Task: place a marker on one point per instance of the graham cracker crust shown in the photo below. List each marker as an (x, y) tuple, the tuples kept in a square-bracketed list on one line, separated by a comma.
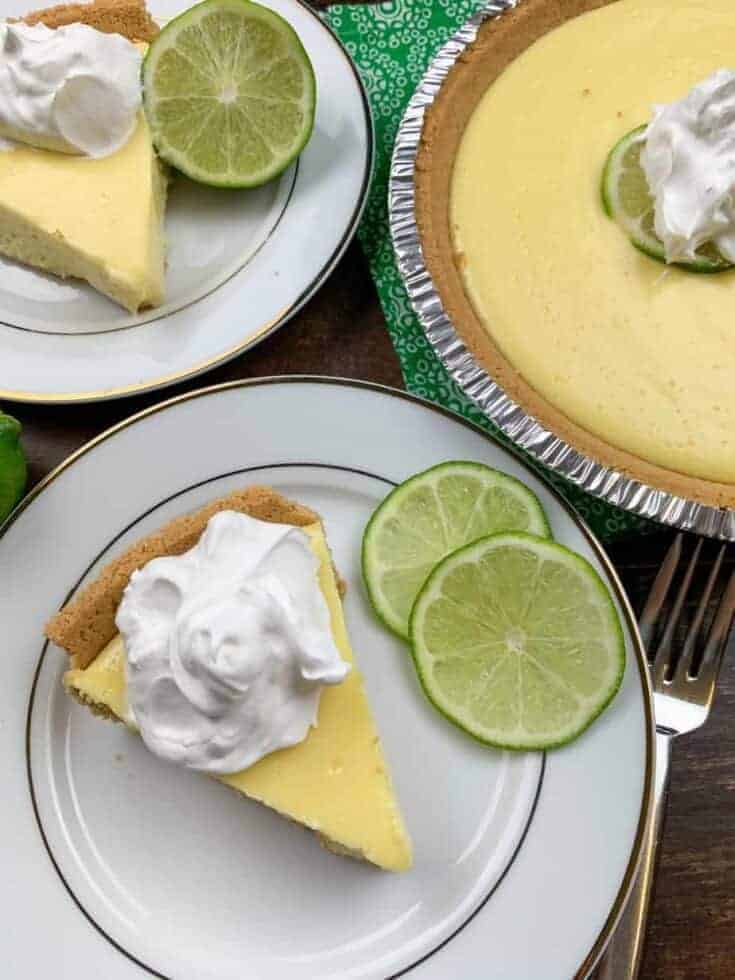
[(500, 41), (127, 17)]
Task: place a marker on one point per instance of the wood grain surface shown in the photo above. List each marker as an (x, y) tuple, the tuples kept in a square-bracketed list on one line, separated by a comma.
[(341, 332)]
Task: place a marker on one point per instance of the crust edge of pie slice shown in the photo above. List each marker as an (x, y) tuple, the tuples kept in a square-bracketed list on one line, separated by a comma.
[(500, 40), (336, 782)]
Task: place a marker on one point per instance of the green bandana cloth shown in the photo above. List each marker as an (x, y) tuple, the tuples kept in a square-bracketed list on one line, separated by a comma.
[(392, 44)]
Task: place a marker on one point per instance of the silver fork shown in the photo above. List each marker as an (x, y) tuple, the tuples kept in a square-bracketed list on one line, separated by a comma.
[(683, 690)]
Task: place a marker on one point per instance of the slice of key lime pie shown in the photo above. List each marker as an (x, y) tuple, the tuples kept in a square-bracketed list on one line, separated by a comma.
[(82, 192), (232, 659)]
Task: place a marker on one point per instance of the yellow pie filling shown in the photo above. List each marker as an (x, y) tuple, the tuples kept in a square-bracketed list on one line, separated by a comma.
[(637, 353)]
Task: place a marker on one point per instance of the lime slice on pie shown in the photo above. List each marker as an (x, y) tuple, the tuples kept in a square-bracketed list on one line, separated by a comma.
[(627, 199), (431, 515), (12, 465), (516, 640), (229, 93)]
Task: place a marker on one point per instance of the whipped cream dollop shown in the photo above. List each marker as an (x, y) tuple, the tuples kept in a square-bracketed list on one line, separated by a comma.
[(228, 646), (73, 89), (689, 163)]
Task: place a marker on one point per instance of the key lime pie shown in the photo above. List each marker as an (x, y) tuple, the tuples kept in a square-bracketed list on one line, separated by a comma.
[(82, 192), (221, 639), (628, 358)]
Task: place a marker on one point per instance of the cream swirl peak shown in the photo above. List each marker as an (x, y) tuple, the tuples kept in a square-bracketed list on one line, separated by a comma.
[(228, 645), (73, 89), (689, 163)]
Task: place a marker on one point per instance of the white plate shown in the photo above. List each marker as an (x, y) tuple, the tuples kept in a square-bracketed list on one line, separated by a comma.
[(240, 263), (117, 865)]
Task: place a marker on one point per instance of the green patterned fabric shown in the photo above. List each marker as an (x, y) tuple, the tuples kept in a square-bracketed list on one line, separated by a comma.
[(392, 44)]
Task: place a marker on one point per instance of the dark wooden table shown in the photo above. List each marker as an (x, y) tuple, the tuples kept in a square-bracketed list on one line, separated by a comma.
[(342, 333)]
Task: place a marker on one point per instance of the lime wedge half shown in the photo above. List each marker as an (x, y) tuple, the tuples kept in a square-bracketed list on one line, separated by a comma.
[(431, 515), (229, 93), (517, 641), (12, 465), (627, 199)]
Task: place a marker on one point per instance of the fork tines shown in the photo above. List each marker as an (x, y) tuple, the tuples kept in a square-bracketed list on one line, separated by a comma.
[(709, 616)]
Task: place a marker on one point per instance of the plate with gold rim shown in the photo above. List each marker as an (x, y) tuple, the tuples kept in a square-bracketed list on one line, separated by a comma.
[(139, 868), (240, 263)]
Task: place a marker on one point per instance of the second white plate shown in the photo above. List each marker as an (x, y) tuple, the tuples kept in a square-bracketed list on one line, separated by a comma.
[(240, 263)]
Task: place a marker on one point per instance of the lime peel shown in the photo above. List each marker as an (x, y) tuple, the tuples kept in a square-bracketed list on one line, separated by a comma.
[(13, 470)]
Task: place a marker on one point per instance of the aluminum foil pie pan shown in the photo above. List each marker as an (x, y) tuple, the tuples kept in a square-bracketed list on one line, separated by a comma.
[(525, 431)]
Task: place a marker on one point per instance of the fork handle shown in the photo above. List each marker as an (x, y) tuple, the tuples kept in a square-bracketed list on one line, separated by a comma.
[(622, 959)]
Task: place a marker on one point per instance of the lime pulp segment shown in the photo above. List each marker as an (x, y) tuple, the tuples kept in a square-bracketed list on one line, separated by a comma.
[(429, 516), (517, 641), (229, 93), (627, 199)]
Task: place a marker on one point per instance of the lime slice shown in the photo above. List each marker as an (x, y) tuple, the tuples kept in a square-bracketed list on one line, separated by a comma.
[(12, 465), (431, 515), (229, 93), (517, 641), (627, 199)]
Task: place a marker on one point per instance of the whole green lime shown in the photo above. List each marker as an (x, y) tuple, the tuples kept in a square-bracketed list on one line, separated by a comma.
[(12, 465)]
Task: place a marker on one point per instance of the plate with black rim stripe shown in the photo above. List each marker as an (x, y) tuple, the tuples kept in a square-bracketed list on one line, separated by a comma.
[(136, 867)]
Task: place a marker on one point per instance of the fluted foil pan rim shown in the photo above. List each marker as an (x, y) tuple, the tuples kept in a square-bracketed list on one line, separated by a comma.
[(526, 432)]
